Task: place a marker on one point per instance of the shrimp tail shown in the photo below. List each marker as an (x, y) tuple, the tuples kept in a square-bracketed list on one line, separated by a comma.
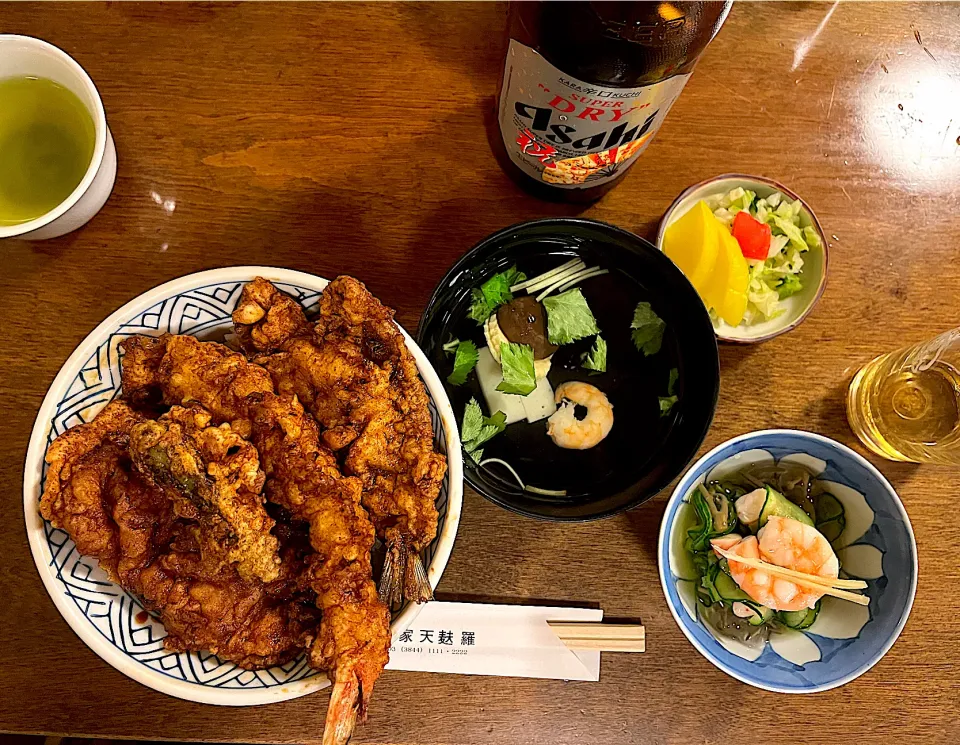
[(404, 575), (391, 584), (346, 703), (416, 585)]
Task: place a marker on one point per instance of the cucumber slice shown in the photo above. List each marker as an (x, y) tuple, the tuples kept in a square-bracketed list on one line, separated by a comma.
[(727, 589), (698, 537), (762, 614), (800, 619), (774, 505), (828, 507), (731, 593), (831, 519), (779, 506), (707, 589)]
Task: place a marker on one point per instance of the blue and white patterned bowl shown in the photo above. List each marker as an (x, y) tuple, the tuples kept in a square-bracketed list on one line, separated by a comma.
[(877, 545), (107, 618)]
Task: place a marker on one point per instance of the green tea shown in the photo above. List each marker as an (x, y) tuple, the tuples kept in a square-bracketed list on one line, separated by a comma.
[(47, 138)]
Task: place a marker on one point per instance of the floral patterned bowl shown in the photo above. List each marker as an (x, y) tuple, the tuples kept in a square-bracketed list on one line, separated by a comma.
[(876, 545)]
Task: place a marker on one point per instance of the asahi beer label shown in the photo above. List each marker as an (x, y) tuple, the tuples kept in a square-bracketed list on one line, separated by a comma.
[(572, 134)]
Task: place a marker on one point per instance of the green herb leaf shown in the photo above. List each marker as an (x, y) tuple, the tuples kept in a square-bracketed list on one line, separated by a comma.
[(492, 426), (519, 375), (451, 346), (493, 293), (667, 402), (472, 421), (479, 310), (477, 429), (497, 421), (672, 380), (464, 361), (647, 328), (569, 317), (596, 358)]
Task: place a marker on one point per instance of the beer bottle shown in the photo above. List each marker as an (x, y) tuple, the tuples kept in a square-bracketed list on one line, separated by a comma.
[(587, 84)]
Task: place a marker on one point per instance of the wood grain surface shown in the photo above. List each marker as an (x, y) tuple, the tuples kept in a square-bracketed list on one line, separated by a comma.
[(352, 138)]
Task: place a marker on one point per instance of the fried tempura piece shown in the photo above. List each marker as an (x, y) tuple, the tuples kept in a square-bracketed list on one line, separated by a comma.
[(216, 475), (354, 373), (184, 370), (265, 317), (81, 462), (131, 528), (394, 455), (302, 476), (140, 359), (209, 606)]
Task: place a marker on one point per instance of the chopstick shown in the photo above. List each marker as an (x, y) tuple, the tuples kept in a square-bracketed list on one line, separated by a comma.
[(849, 584), (606, 637), (826, 585)]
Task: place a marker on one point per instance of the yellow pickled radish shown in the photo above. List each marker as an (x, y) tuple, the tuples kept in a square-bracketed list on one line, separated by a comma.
[(734, 306), (693, 244), (739, 269), (726, 289)]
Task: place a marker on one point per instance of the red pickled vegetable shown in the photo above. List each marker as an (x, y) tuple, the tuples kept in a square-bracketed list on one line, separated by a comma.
[(752, 235)]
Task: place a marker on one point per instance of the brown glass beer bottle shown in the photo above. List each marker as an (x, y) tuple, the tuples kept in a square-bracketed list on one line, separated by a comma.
[(587, 84)]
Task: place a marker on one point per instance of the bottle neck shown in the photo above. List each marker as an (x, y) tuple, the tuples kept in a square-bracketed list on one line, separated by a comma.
[(618, 44)]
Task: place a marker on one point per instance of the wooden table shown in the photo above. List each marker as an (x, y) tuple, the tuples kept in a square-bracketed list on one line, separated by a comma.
[(351, 138)]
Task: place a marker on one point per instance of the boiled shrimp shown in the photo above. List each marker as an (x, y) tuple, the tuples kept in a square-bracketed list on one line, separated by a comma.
[(787, 543), (580, 434), (726, 542)]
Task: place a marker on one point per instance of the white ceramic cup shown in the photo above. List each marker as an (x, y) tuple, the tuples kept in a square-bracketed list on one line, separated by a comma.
[(22, 56)]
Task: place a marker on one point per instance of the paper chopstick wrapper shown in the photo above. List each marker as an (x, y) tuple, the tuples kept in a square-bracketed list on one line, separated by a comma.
[(488, 639)]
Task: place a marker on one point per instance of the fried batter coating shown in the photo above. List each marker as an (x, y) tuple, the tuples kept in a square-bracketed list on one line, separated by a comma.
[(354, 373), (81, 461), (215, 478), (171, 505), (185, 369), (303, 478), (265, 317), (210, 607), (130, 526)]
